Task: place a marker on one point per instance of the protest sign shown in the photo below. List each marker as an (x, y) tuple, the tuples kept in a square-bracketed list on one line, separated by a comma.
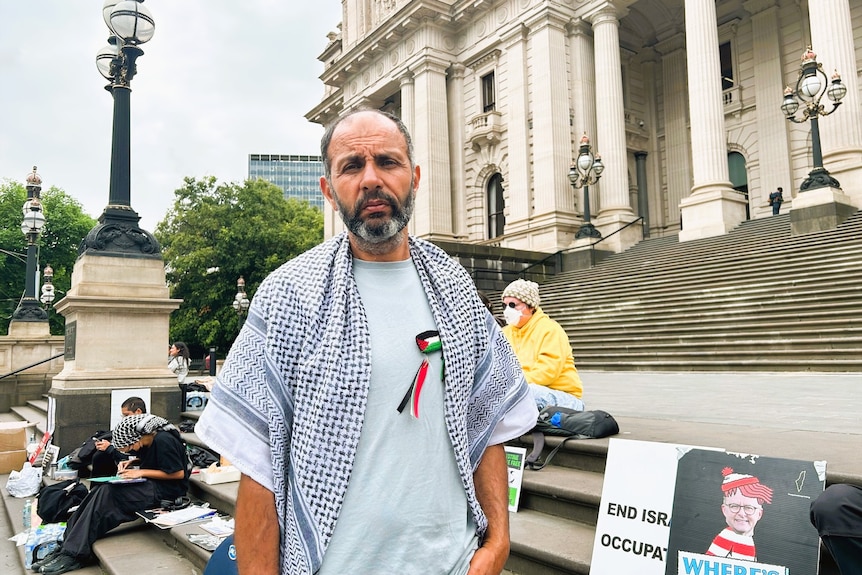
[(515, 457)]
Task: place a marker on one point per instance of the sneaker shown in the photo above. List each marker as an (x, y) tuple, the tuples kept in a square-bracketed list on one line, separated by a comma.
[(46, 559), (63, 563)]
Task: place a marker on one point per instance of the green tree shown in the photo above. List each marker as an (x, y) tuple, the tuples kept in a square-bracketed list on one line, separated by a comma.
[(66, 224), (216, 233)]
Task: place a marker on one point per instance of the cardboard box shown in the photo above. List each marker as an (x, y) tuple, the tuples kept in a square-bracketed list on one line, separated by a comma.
[(221, 475), (13, 435), (12, 460)]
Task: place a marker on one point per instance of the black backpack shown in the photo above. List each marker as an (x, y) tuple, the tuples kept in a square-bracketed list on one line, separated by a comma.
[(54, 501), (82, 456), (571, 424)]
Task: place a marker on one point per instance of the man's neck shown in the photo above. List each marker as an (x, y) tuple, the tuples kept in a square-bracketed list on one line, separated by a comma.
[(396, 249)]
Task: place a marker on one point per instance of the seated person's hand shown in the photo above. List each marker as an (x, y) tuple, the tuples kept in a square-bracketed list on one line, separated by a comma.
[(102, 444), (130, 473), (121, 466)]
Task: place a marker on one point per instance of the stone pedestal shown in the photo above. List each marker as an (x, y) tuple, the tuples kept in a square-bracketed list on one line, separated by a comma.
[(117, 317), (621, 240), (819, 209), (708, 213)]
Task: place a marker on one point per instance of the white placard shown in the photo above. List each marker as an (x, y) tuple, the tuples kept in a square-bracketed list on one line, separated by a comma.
[(118, 396)]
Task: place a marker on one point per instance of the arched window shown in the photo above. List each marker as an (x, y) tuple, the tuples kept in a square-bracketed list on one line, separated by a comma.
[(738, 175), (496, 219)]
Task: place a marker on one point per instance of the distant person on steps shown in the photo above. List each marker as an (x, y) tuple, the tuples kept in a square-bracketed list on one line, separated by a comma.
[(542, 347), (776, 198)]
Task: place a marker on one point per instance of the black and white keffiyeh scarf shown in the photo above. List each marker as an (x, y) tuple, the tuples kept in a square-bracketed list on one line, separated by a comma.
[(296, 382)]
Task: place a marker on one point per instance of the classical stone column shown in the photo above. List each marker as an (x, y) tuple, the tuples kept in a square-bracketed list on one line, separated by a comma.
[(457, 122), (583, 95), (517, 180), (550, 112), (433, 215), (773, 152), (713, 207), (610, 116), (841, 134), (407, 100), (677, 143)]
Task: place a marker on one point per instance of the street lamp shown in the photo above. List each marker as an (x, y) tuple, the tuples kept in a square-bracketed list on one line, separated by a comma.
[(130, 25), (31, 226), (47, 287), (240, 300), (811, 84), (585, 172)]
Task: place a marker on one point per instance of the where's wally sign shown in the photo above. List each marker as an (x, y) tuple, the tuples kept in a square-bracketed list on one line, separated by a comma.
[(671, 509)]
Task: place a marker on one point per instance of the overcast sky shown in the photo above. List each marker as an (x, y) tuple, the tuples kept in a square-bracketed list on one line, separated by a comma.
[(219, 80)]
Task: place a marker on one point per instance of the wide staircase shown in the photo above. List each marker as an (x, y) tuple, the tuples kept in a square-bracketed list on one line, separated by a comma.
[(755, 299)]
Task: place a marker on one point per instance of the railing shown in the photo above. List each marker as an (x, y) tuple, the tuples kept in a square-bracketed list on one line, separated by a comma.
[(559, 253), (19, 370)]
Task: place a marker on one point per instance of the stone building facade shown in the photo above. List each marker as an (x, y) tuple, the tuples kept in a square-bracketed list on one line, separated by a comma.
[(680, 97)]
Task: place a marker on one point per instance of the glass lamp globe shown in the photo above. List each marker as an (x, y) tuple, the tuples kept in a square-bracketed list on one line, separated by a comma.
[(810, 86), (132, 22)]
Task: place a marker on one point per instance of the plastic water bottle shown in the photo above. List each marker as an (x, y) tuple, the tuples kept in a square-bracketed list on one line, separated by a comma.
[(28, 514)]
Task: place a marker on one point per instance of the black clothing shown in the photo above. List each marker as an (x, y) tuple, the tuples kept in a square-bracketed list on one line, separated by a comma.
[(837, 515), (108, 505)]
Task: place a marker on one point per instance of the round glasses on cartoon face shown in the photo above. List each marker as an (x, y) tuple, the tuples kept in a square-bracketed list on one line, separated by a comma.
[(747, 509)]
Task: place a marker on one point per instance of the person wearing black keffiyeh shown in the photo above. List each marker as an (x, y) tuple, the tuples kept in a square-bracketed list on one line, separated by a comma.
[(312, 401)]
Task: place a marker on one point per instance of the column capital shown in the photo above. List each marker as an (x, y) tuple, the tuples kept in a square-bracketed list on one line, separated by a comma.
[(515, 34), (670, 45), (405, 79), (606, 13), (456, 70), (579, 27), (429, 63)]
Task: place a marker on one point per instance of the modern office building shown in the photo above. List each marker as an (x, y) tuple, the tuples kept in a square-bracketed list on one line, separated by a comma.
[(683, 99), (297, 175)]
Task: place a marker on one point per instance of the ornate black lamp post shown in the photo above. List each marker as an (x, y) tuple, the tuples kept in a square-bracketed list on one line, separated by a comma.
[(130, 24), (811, 84), (241, 301), (585, 172), (31, 227)]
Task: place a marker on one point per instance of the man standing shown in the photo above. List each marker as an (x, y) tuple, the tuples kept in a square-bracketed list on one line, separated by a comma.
[(361, 450), (775, 200)]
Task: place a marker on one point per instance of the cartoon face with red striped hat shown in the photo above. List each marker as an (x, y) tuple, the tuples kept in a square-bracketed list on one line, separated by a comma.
[(742, 506)]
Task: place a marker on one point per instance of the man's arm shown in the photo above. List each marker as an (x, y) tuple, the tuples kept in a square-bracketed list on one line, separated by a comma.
[(491, 479), (256, 533)]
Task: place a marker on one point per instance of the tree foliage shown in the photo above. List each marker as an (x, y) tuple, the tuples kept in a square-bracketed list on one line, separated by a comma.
[(216, 233), (66, 224)]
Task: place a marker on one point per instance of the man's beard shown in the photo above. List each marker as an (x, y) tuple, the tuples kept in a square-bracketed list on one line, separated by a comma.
[(378, 233)]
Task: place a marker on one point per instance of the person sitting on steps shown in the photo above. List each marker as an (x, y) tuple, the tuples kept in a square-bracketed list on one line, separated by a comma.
[(163, 475)]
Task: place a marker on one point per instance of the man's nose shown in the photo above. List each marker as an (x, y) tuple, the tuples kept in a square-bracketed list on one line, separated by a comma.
[(370, 177)]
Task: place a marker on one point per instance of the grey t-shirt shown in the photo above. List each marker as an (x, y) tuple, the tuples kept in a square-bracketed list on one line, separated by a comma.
[(405, 510)]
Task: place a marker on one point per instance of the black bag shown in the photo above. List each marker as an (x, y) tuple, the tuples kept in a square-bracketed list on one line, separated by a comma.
[(54, 501), (571, 424), (201, 457), (83, 456)]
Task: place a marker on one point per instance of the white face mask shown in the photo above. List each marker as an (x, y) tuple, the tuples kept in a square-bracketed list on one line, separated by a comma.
[(512, 315)]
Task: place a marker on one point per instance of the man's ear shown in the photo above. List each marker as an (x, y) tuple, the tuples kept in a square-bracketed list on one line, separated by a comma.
[(416, 179), (327, 192)]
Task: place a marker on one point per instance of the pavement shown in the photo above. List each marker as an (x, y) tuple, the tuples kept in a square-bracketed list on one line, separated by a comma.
[(810, 416)]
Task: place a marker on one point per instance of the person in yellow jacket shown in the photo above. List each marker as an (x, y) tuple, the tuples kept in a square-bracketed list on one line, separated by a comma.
[(542, 347)]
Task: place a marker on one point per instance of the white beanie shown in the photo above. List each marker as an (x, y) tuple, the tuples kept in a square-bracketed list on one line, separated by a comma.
[(526, 291)]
